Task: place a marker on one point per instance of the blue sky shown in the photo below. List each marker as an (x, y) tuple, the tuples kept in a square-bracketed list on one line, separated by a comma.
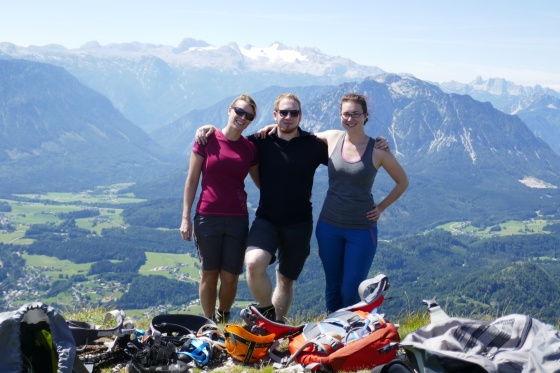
[(435, 40)]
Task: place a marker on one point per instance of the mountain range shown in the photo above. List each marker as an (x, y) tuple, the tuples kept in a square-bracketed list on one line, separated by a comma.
[(537, 106), (57, 134), (155, 84)]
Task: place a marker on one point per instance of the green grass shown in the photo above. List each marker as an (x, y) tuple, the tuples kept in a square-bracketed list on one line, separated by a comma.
[(54, 267), (108, 218), (170, 265), (101, 194), (16, 237), (72, 198), (509, 228), (40, 211)]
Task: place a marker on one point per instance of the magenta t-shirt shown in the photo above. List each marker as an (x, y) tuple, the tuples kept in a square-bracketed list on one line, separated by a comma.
[(226, 165)]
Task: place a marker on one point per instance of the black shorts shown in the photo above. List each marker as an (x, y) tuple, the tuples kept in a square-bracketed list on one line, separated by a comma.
[(221, 242), (292, 242)]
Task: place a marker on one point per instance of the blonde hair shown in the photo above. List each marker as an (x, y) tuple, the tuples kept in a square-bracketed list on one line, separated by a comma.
[(248, 99), (289, 96)]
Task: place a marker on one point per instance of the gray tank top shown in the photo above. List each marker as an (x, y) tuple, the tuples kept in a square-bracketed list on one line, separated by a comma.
[(349, 196)]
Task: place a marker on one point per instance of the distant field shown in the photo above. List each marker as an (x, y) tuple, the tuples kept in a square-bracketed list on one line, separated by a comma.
[(16, 237), (509, 228), (101, 194), (40, 211), (55, 267), (108, 218), (170, 265)]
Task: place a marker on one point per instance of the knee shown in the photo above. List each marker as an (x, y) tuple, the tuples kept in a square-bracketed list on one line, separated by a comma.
[(209, 277), (256, 261), (228, 279)]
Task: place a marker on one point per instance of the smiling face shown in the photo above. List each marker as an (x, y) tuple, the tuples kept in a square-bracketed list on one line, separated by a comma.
[(352, 115), (289, 123), (237, 121)]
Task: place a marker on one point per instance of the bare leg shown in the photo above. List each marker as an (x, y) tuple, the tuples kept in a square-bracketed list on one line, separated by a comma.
[(227, 291), (256, 261), (207, 291), (283, 296)]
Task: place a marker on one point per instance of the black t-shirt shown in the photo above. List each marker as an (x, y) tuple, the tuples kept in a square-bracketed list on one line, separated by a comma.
[(286, 171)]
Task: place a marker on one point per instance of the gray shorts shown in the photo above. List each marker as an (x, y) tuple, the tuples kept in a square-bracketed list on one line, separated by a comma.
[(292, 242), (221, 242)]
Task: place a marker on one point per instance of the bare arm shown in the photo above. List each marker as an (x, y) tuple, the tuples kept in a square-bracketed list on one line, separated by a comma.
[(202, 133), (191, 184), (390, 163), (266, 131)]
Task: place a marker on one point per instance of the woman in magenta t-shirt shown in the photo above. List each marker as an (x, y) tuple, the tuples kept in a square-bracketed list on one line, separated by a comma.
[(221, 221)]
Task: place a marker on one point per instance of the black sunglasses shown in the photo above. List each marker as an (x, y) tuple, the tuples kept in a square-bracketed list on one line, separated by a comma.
[(284, 113), (242, 112)]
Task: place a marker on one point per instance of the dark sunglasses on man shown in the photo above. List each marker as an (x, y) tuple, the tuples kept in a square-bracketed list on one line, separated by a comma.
[(292, 113)]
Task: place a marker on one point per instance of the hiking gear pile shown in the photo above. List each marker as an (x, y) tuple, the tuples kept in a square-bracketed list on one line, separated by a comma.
[(174, 341), (353, 338)]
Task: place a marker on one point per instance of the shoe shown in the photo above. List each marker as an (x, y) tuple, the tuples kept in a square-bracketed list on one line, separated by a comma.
[(268, 312), (221, 317)]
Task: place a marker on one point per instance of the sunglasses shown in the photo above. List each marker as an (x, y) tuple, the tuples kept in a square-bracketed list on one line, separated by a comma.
[(242, 112), (284, 113)]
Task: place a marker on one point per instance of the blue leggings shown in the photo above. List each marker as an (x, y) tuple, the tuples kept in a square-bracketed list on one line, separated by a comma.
[(347, 255)]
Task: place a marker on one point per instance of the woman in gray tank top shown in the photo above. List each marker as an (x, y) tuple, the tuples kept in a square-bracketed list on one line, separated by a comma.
[(347, 227)]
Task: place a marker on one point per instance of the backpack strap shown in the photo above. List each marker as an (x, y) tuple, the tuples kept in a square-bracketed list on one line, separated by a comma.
[(324, 344), (85, 333)]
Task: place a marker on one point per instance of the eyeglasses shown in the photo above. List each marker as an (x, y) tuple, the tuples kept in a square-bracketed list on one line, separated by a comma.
[(284, 113), (354, 115), (242, 112)]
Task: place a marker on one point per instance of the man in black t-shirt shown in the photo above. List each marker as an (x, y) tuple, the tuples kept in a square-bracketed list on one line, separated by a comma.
[(284, 219)]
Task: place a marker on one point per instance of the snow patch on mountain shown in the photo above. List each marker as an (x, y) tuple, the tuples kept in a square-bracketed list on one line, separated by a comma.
[(275, 52), (467, 143), (533, 182), (441, 141)]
